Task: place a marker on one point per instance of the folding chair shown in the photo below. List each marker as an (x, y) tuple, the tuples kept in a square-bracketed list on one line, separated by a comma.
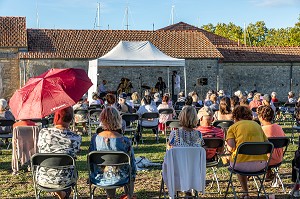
[(43, 164), (44, 122), (80, 117), (184, 169), (7, 126), (145, 117), (101, 159), (24, 145), (251, 148), (171, 124), (296, 183), (131, 118), (279, 143), (166, 112), (214, 143), (94, 119), (95, 106), (223, 124)]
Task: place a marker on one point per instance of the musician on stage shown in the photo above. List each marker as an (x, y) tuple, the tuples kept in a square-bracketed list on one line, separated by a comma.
[(125, 86), (160, 86)]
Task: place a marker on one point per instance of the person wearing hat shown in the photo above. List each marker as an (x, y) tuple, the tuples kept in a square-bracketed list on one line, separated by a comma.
[(205, 115), (125, 108), (267, 102)]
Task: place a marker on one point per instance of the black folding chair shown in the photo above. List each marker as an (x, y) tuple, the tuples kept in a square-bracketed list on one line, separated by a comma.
[(279, 143), (131, 119), (101, 159), (46, 163), (95, 106), (6, 126), (80, 117), (149, 116), (43, 121), (214, 143), (94, 119), (253, 149), (166, 111), (223, 124)]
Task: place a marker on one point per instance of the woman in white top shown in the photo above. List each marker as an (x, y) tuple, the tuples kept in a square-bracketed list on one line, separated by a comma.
[(186, 135)]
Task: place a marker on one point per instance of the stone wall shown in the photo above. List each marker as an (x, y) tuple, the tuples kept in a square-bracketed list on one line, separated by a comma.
[(264, 77), (31, 68), (9, 72)]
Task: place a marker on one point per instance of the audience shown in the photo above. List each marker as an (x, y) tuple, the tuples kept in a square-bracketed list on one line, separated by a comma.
[(186, 135), (274, 97), (111, 139), (256, 102), (58, 139), (125, 108), (234, 102), (164, 117), (205, 115), (224, 112), (291, 99), (265, 116), (245, 130), (146, 108), (215, 104)]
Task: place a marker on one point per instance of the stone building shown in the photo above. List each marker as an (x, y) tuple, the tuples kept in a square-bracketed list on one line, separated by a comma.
[(226, 65)]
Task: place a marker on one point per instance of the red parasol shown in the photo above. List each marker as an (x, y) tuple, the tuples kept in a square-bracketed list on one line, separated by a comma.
[(51, 91)]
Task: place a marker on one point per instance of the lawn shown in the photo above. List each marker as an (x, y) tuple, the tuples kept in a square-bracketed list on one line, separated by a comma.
[(147, 184)]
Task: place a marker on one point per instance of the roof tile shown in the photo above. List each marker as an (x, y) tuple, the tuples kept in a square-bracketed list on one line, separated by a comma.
[(13, 32)]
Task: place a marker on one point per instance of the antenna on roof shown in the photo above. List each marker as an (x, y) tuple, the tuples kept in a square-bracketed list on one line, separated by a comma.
[(37, 14), (97, 17), (171, 22), (153, 27), (126, 15)]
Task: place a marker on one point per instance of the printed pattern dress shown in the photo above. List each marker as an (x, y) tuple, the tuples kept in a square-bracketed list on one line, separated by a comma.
[(53, 140)]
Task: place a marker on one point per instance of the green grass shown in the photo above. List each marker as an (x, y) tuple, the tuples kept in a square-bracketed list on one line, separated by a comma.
[(147, 182)]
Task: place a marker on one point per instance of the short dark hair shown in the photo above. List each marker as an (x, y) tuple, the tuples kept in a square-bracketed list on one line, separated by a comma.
[(188, 100), (242, 113), (110, 98)]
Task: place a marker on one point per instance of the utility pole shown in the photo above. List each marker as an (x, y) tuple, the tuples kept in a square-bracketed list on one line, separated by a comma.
[(245, 34), (127, 22), (37, 15)]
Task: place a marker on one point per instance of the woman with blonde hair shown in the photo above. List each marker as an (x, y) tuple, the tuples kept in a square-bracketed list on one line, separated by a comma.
[(186, 135), (111, 139)]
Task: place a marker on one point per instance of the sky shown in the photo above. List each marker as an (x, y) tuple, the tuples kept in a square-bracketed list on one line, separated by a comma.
[(146, 14)]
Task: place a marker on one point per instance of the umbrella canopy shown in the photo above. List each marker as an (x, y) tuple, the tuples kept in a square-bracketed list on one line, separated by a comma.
[(51, 91)]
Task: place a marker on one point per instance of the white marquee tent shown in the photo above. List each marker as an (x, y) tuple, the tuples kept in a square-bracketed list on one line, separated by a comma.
[(133, 53)]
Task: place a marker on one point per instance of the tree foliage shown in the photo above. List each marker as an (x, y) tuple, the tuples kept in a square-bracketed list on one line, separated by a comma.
[(257, 34)]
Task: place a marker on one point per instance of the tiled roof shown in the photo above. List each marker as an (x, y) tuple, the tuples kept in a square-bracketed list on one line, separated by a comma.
[(89, 44), (13, 32), (260, 54), (215, 39)]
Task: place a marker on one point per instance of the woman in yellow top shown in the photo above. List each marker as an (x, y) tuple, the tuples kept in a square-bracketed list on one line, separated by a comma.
[(245, 130)]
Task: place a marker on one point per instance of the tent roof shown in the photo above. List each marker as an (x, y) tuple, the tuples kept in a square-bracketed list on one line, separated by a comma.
[(137, 53)]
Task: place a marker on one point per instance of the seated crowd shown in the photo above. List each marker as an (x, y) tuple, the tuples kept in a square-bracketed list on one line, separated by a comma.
[(195, 120)]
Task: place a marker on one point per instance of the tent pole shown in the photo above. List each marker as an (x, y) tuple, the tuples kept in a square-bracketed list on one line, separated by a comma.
[(168, 80), (184, 73)]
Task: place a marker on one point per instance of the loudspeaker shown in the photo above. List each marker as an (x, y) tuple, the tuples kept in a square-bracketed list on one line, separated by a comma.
[(202, 81)]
